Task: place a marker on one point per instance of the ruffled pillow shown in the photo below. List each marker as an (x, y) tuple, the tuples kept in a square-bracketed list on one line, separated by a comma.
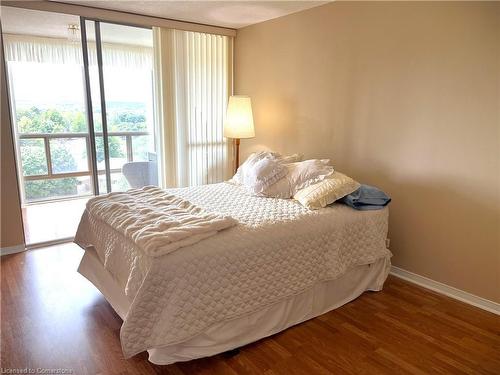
[(263, 174), (300, 175), (238, 178), (287, 159)]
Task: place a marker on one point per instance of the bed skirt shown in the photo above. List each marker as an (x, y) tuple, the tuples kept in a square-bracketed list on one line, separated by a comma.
[(235, 333)]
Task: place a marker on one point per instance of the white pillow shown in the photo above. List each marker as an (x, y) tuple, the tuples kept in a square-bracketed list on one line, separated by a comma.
[(291, 158), (238, 178), (300, 175), (263, 174), (327, 191)]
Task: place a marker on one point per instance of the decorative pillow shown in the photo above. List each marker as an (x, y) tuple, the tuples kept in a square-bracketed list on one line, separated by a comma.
[(238, 178), (263, 174), (300, 175), (292, 158), (327, 191)]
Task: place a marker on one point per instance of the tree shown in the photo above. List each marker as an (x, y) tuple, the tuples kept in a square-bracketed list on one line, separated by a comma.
[(35, 120), (128, 121), (52, 120), (34, 163), (42, 189), (114, 146)]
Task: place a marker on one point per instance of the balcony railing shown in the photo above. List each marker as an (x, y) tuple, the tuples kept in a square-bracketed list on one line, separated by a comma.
[(52, 172)]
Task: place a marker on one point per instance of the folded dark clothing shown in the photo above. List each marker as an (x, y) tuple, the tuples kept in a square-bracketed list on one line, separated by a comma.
[(367, 198)]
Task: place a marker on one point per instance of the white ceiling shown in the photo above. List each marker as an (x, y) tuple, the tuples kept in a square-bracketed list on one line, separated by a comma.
[(232, 14), (29, 22), (55, 25)]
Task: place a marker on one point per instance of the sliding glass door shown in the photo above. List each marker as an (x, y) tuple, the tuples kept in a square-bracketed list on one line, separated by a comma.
[(119, 68), (44, 63), (83, 110), (51, 128), (81, 94)]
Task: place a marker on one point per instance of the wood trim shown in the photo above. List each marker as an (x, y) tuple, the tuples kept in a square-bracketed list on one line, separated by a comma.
[(447, 290), (108, 15), (12, 249)]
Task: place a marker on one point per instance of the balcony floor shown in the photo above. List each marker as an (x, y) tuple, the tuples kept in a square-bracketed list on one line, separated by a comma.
[(53, 220)]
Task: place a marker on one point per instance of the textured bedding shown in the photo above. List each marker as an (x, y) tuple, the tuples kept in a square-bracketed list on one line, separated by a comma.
[(156, 221), (277, 250)]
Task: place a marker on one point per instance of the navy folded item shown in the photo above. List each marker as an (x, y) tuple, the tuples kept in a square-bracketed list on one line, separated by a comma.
[(367, 198)]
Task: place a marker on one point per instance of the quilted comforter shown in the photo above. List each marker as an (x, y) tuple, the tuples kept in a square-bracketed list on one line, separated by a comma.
[(278, 249)]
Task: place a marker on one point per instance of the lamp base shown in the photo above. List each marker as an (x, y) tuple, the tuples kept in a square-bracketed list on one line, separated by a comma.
[(237, 156)]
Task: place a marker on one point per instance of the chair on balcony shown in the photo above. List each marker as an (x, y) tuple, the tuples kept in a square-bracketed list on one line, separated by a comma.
[(141, 173)]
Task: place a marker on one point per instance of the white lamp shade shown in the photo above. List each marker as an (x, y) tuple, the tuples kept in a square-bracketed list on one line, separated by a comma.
[(239, 118)]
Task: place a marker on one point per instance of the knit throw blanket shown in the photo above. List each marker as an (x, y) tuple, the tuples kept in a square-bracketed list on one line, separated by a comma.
[(155, 220)]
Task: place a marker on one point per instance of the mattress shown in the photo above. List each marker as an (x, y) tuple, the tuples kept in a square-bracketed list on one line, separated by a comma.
[(278, 251)]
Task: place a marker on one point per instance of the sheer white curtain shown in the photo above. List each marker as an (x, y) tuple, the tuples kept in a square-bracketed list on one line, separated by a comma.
[(193, 82), (27, 48)]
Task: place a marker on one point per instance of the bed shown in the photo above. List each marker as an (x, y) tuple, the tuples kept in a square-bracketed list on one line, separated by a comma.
[(280, 265)]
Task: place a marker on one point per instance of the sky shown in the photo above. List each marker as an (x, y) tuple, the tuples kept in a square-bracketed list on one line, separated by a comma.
[(49, 84)]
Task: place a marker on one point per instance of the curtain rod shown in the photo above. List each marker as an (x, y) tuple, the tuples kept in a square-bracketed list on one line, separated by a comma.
[(118, 16)]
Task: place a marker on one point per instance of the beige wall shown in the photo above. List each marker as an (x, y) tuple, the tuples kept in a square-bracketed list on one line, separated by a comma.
[(404, 96), (11, 233)]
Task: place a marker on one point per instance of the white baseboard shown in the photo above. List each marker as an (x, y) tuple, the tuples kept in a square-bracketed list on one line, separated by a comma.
[(447, 290), (12, 249)]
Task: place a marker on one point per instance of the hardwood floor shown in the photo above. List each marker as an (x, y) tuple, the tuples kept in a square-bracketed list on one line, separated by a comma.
[(53, 318)]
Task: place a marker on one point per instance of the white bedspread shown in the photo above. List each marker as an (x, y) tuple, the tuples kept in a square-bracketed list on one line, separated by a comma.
[(155, 220), (278, 249)]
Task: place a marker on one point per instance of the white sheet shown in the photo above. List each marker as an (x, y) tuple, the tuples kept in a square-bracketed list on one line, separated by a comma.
[(278, 250)]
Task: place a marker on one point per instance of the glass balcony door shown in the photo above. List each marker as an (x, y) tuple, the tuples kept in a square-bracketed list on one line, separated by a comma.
[(81, 96), (43, 56), (51, 129), (119, 69), (83, 108)]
